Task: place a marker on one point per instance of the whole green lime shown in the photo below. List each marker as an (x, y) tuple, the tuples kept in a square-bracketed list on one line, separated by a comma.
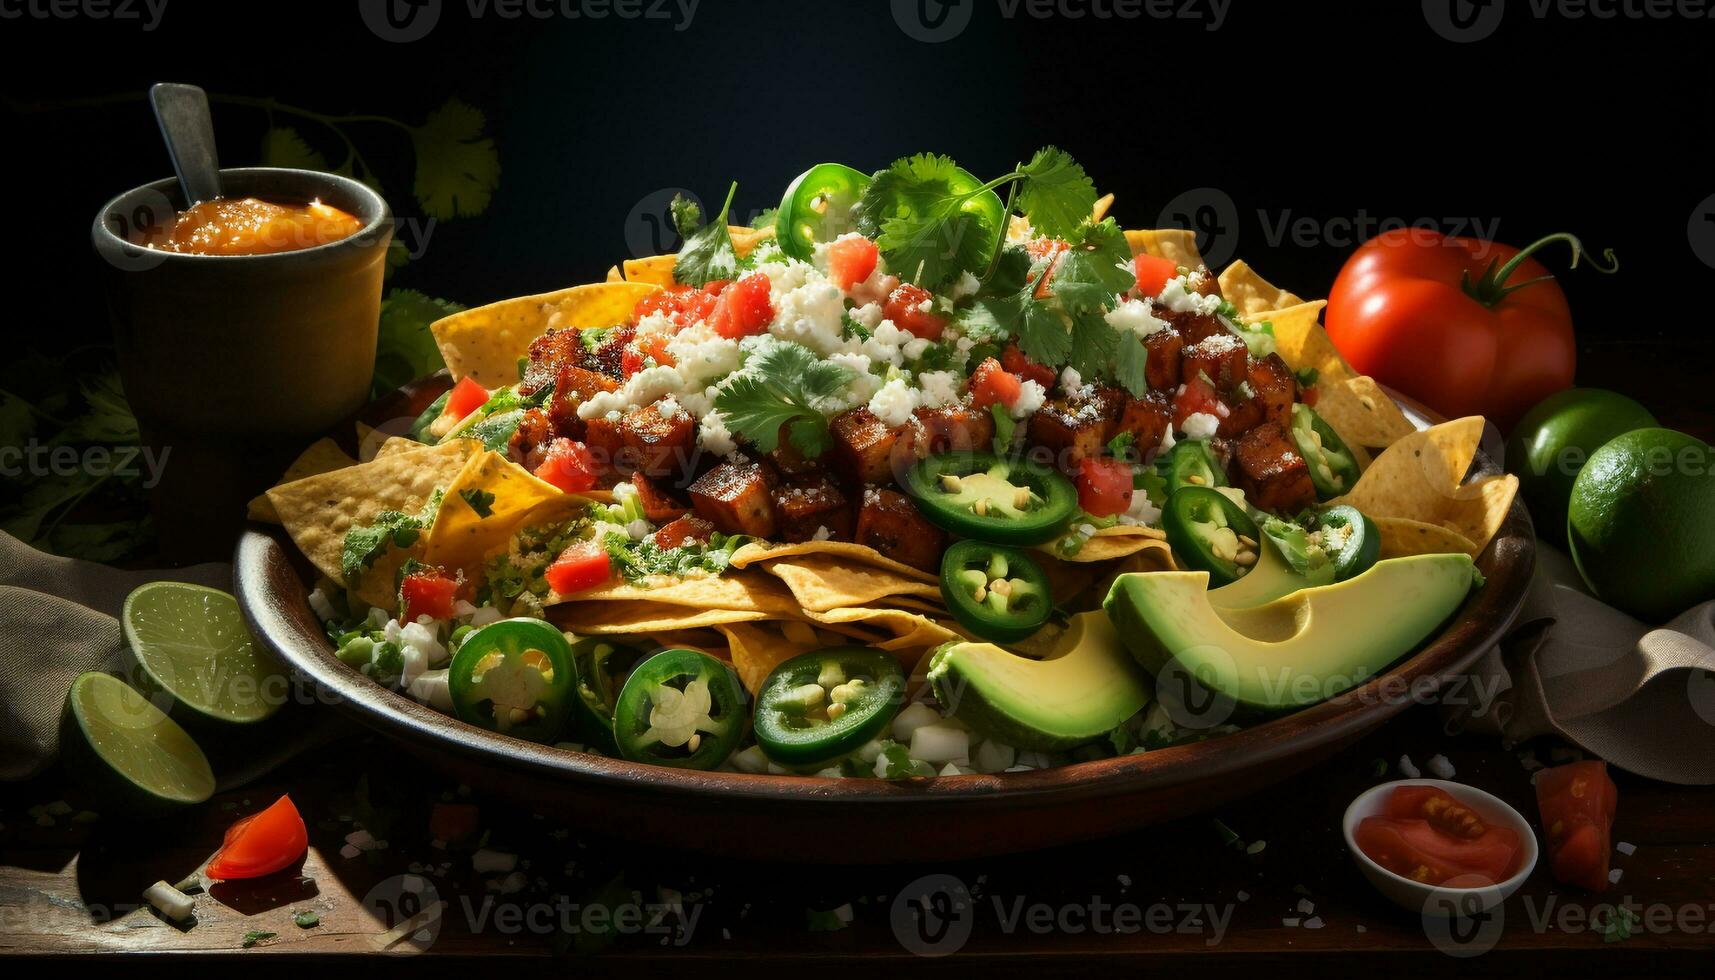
[(1642, 523), (1554, 440)]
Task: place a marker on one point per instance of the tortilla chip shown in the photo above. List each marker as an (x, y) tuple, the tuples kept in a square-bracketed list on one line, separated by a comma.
[(396, 445), (486, 343), (1401, 537), (1302, 343), (1421, 478), (322, 456), (1362, 413), (489, 499), (656, 269), (823, 582), (614, 275), (766, 551), (1109, 543), (317, 511), (1251, 293), (1177, 244), (643, 618), (910, 630), (745, 240), (748, 591), (1100, 211), (758, 649)]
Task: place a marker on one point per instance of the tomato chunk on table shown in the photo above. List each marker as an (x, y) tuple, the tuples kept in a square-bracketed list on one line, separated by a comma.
[(1577, 803)]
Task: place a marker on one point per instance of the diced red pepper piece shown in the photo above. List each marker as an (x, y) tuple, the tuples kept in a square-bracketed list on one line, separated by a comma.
[(427, 593), (466, 397), (743, 309), (1104, 486), (909, 307), (584, 565), (1153, 274), (991, 384), (568, 465)]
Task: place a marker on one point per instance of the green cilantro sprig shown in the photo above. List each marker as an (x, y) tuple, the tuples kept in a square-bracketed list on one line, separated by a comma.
[(363, 545), (708, 254), (779, 388)]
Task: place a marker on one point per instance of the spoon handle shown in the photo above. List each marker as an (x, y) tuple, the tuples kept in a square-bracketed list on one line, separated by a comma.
[(182, 113)]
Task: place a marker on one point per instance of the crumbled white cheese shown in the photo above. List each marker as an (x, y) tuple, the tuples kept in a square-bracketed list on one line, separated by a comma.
[(940, 388), (702, 356), (822, 533), (1440, 767), (642, 388), (1071, 380), (1200, 425), (861, 388), (668, 407), (885, 343), (966, 286), (867, 316), (1031, 395), (894, 403), (1179, 297), (812, 314), (1407, 768), (320, 605), (714, 435), (1136, 316)]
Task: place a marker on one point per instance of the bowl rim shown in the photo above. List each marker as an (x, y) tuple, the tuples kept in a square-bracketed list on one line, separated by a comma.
[(381, 217), (1363, 805), (285, 624)]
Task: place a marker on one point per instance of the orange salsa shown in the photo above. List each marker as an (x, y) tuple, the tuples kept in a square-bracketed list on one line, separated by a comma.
[(249, 226)]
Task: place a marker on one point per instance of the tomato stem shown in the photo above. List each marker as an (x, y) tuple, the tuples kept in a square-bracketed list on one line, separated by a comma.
[(1491, 288)]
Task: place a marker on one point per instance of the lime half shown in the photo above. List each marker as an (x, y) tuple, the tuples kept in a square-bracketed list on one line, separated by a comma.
[(124, 747), (191, 642)]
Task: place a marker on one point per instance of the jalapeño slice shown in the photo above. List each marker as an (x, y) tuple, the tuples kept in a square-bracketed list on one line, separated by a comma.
[(679, 708), (514, 677), (818, 208), (1333, 467), (1209, 532), (1007, 500), (1191, 463), (1000, 594), (1350, 539), (601, 666), (822, 705)]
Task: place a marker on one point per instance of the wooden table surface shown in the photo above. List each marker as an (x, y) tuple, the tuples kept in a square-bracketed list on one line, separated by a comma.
[(1148, 899), (72, 888)]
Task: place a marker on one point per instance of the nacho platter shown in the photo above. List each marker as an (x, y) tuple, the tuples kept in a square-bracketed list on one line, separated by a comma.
[(974, 577)]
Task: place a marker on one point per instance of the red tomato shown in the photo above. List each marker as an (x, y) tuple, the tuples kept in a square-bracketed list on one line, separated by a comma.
[(1577, 803), (427, 593), (908, 307), (681, 304), (1425, 313), (743, 308), (261, 843), (1415, 849), (1014, 360), (636, 354), (991, 384), (1438, 807), (1153, 273), (466, 397), (1104, 486), (569, 465), (666, 302), (1195, 396), (583, 566), (851, 260)]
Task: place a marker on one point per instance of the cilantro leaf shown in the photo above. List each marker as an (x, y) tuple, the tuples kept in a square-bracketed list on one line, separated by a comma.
[(364, 544), (457, 167), (1057, 195), (911, 186), (687, 215), (1099, 256), (405, 350), (1004, 426), (1094, 346), (479, 500), (778, 389), (707, 254), (1130, 365), (1042, 334), (935, 247)]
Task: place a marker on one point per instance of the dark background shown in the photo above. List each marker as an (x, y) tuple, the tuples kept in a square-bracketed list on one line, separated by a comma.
[(1323, 111)]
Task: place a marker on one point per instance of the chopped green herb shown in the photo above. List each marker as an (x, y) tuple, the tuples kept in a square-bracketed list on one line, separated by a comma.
[(708, 253), (363, 545), (687, 215), (480, 500), (1004, 427), (307, 920), (779, 388), (252, 938)]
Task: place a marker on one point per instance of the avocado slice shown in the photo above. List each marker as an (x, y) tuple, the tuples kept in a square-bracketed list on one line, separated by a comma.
[(1085, 688), (1293, 651), (1272, 578)]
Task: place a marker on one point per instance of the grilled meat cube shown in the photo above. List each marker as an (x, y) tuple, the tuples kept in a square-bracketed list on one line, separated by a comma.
[(1162, 364), (1274, 387), (575, 386), (1147, 419), (868, 451), (957, 428), (734, 498), (788, 460), (1222, 358), (657, 445), (1203, 282), (1244, 413), (605, 443), (804, 505), (1270, 471), (529, 444), (549, 355), (1075, 428), (660, 503), (888, 522), (609, 356), (689, 529), (1194, 327)]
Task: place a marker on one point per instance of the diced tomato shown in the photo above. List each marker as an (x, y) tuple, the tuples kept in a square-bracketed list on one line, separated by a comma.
[(743, 308), (1195, 396), (1415, 849), (665, 302), (638, 353), (569, 465), (466, 397), (851, 260), (1104, 486), (687, 528), (261, 843), (909, 308), (1014, 360), (453, 822), (716, 286), (1437, 806), (1153, 274), (1577, 803), (582, 566), (681, 304), (992, 384), (427, 593)]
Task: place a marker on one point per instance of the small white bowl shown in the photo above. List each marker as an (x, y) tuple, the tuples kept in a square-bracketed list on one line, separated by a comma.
[(1437, 900)]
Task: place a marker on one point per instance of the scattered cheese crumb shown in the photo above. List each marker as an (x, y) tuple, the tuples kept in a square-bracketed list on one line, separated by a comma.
[(1440, 767), (1407, 768)]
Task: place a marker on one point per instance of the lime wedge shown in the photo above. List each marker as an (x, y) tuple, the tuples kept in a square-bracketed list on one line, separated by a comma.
[(191, 642), (122, 746)]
